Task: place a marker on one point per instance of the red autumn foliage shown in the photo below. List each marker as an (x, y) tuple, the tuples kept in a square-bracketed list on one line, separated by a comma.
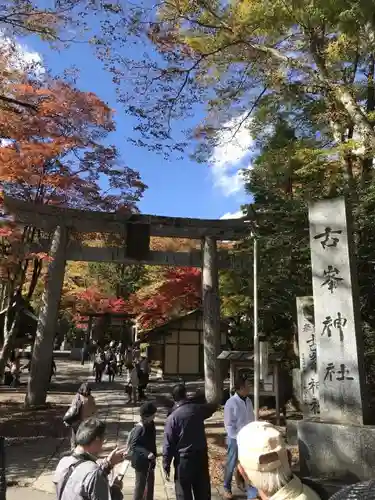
[(92, 300), (54, 154), (180, 292)]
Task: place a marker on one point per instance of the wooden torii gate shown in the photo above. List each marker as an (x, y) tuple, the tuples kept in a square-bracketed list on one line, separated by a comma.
[(135, 231)]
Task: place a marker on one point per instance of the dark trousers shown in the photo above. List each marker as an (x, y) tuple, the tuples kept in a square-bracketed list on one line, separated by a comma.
[(144, 480), (192, 477), (143, 382), (98, 373)]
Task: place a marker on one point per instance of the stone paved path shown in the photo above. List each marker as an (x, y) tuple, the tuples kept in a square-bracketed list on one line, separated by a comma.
[(36, 480)]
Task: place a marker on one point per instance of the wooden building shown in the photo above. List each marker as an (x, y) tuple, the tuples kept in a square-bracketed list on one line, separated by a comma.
[(241, 363), (177, 346)]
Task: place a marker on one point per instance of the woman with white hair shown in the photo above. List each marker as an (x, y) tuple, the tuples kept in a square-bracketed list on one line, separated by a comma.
[(264, 461)]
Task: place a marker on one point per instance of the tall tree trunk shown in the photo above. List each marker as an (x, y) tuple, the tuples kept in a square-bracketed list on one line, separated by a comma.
[(3, 294), (9, 339), (211, 321), (46, 329), (340, 95), (367, 162), (3, 483), (348, 171), (37, 269)]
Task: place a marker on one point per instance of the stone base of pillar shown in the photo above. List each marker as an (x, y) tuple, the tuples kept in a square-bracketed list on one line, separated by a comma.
[(292, 432), (338, 451)]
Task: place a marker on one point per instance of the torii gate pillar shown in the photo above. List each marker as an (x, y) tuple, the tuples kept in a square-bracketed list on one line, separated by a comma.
[(211, 320), (43, 346)]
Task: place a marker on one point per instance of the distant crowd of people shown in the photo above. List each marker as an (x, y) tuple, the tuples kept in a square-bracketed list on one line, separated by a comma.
[(113, 359)]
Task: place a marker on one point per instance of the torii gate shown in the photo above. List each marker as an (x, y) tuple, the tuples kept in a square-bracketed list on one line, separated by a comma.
[(135, 230)]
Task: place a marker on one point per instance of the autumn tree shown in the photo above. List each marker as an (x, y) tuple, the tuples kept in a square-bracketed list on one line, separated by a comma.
[(236, 57), (55, 155), (169, 292), (161, 294), (62, 21)]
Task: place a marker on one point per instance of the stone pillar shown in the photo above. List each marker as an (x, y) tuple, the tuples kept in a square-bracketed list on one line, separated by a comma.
[(46, 329), (211, 320), (336, 311), (338, 445), (308, 356)]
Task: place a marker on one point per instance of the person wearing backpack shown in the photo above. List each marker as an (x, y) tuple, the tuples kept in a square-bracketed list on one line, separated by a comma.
[(110, 359), (142, 452), (82, 407), (99, 365), (79, 476)]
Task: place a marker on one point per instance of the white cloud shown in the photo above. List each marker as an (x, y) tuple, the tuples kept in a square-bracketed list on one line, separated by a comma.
[(21, 57), (231, 156), (233, 215)]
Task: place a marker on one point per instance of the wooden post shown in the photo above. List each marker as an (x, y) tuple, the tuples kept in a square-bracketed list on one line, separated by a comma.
[(277, 392), (46, 329), (211, 321), (231, 375)]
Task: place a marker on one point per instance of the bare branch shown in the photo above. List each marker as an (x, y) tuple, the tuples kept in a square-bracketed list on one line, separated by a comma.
[(18, 103)]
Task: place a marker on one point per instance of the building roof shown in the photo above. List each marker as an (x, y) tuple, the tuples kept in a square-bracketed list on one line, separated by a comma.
[(106, 313), (246, 356), (162, 329)]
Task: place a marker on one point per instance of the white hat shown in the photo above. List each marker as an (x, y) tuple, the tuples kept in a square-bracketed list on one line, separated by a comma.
[(261, 447)]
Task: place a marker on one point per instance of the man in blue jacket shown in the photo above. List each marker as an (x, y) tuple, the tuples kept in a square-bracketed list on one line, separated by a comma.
[(185, 443)]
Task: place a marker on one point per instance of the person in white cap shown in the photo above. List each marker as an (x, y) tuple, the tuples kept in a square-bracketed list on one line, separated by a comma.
[(264, 460)]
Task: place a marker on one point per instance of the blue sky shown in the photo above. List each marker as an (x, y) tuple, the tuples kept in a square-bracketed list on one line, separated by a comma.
[(176, 188)]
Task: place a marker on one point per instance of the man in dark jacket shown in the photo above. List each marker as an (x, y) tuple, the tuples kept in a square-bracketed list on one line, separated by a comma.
[(185, 442), (142, 452)]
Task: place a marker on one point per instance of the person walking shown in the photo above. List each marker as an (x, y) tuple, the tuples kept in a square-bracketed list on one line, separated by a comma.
[(84, 351), (111, 365), (79, 476), (53, 369), (185, 443), (99, 365), (15, 368), (142, 452), (82, 407), (238, 412), (144, 376), (133, 383), (128, 362), (119, 360)]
